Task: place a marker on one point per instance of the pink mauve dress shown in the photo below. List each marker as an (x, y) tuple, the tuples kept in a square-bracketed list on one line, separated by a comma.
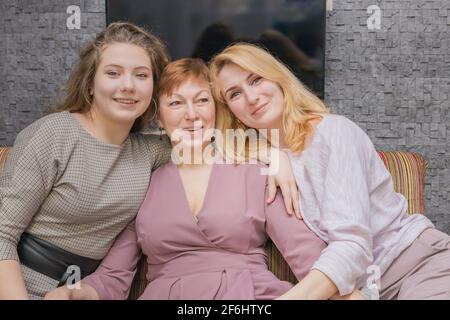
[(217, 255)]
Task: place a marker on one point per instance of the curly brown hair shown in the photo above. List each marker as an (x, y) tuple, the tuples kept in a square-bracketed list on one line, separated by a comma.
[(76, 97)]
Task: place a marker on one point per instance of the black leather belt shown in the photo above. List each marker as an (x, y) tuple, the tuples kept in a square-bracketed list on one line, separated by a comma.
[(54, 262)]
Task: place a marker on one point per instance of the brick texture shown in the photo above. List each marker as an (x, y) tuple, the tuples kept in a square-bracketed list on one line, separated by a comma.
[(37, 52), (394, 82)]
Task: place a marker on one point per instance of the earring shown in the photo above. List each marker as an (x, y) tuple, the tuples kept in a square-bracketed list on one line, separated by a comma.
[(155, 110), (160, 133)]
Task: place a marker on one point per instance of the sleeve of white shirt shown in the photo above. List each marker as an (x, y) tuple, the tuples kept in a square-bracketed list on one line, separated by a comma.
[(345, 205)]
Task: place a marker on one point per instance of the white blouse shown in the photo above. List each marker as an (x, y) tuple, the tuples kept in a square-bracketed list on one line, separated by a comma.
[(347, 198)]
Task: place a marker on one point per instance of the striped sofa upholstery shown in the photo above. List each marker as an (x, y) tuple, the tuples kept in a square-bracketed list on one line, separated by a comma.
[(408, 173)]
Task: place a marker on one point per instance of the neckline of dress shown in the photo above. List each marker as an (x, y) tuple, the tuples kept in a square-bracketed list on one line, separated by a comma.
[(93, 138), (185, 197)]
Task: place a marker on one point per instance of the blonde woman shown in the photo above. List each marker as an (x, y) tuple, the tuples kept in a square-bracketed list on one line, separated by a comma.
[(346, 194)]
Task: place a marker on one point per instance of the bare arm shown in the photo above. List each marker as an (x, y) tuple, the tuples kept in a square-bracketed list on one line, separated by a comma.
[(12, 286), (281, 175), (315, 286), (25, 182), (301, 248)]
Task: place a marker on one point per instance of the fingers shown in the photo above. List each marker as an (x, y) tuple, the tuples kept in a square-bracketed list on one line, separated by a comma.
[(287, 197), (51, 296), (271, 189), (57, 294), (295, 200)]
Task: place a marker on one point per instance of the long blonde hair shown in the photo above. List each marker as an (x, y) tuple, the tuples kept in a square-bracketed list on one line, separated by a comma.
[(76, 97), (300, 104)]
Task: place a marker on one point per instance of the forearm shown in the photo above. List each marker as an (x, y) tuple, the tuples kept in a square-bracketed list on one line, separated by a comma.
[(12, 285), (315, 286), (355, 295)]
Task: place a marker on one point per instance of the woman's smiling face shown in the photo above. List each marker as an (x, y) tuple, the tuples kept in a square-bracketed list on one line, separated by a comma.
[(254, 100), (188, 112), (123, 83)]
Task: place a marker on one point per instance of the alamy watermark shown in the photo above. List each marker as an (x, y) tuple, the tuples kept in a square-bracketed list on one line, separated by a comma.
[(212, 146), (73, 281), (371, 291), (374, 21), (74, 20)]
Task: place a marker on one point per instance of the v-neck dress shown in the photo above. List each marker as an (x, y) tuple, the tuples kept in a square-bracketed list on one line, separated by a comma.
[(219, 254)]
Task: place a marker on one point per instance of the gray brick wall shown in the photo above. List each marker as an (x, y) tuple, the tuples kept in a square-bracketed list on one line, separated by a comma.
[(37, 52), (394, 82)]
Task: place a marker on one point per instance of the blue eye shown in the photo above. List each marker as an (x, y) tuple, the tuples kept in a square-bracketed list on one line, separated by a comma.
[(234, 94), (203, 100), (256, 80), (174, 103)]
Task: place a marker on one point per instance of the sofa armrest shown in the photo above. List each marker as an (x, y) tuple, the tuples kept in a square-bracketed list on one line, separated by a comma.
[(408, 171)]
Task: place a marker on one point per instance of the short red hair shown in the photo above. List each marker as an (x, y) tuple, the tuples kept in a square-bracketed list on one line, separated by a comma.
[(177, 72)]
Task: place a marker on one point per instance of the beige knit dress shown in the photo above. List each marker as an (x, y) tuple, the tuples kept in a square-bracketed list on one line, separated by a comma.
[(66, 187)]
